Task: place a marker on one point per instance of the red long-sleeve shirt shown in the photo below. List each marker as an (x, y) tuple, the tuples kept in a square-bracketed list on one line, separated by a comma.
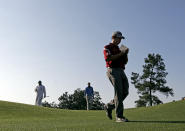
[(112, 49)]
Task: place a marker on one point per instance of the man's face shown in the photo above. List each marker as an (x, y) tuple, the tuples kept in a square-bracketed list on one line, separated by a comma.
[(40, 83), (117, 41)]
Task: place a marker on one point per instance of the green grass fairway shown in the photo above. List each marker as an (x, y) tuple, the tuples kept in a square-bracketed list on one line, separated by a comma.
[(21, 117)]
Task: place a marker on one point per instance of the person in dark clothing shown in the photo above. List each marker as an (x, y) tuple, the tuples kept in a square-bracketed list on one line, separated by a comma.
[(116, 58), (89, 95)]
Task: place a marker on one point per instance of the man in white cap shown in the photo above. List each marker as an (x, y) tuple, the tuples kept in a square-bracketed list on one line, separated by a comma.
[(40, 90), (116, 58)]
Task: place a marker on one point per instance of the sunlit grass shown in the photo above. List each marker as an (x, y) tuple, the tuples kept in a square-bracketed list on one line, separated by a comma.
[(20, 117)]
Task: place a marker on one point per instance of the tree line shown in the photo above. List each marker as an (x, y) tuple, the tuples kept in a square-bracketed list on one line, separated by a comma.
[(76, 101)]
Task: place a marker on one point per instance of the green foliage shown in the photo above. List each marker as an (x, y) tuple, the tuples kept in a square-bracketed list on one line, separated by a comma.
[(97, 103), (77, 101), (50, 105), (151, 81), (65, 101)]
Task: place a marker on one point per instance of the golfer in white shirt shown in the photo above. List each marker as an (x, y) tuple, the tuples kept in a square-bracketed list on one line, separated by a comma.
[(40, 90)]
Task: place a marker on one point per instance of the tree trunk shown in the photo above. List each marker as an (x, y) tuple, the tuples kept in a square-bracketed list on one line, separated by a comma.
[(150, 97), (150, 91)]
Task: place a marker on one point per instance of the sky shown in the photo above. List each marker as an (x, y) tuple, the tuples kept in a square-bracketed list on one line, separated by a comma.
[(60, 42)]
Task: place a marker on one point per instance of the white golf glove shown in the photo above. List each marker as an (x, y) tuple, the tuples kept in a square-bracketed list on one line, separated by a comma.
[(124, 49)]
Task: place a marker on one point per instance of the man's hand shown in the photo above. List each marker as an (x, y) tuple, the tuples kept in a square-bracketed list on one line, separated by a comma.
[(124, 49), (127, 50)]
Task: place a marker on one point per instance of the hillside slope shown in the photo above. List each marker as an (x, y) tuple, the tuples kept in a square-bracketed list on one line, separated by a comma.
[(21, 117)]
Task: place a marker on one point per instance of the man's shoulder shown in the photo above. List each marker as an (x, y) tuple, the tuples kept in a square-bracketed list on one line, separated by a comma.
[(108, 46), (88, 87), (41, 86)]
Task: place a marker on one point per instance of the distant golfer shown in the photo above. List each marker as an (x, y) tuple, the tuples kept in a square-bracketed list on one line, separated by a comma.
[(89, 95), (41, 91), (116, 58)]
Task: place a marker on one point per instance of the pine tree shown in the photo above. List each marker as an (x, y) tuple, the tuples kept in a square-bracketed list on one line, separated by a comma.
[(151, 81)]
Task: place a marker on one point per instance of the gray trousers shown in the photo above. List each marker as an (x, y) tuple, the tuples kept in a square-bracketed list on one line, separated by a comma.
[(89, 100), (121, 89), (38, 101)]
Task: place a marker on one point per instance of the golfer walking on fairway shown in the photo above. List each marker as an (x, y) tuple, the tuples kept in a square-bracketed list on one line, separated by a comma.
[(116, 58), (89, 95), (40, 90)]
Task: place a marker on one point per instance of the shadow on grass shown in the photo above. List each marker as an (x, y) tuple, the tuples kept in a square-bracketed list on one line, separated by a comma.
[(179, 122)]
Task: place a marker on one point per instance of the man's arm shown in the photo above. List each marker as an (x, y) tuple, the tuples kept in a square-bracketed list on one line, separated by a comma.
[(110, 57), (36, 89), (115, 57), (85, 92), (44, 91)]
